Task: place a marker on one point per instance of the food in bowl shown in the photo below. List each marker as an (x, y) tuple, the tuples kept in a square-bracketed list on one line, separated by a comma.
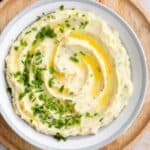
[(69, 74)]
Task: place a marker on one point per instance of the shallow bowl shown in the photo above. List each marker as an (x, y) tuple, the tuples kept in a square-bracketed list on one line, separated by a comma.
[(106, 134)]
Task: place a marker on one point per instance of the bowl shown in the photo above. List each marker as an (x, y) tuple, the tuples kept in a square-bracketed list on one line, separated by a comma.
[(106, 134)]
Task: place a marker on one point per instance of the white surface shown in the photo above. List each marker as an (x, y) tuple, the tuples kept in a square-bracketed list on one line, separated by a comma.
[(106, 134)]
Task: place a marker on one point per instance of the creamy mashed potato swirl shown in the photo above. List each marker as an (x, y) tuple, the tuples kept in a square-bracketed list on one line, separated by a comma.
[(69, 74)]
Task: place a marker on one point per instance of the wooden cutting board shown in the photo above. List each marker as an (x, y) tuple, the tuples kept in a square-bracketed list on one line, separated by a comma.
[(133, 13)]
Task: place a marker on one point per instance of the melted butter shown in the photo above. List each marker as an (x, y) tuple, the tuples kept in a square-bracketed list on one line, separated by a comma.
[(96, 73), (104, 98)]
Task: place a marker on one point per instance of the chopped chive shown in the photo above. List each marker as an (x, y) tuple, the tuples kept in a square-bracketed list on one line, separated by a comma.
[(74, 59), (51, 70), (61, 7), (67, 25), (61, 30), (23, 43), (9, 90), (27, 32), (34, 28), (87, 115), (66, 21), (75, 54), (71, 93), (95, 114), (83, 24), (51, 81), (21, 95), (53, 17), (16, 48), (82, 53), (43, 97), (45, 31), (43, 13), (31, 96), (61, 88), (38, 18), (16, 74), (59, 137), (101, 119), (69, 100)]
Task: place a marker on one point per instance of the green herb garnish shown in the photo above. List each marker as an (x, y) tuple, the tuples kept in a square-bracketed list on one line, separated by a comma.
[(43, 97), (61, 88), (73, 28), (27, 32), (21, 95), (66, 21), (25, 73), (23, 43), (53, 17), (82, 53), (101, 119), (61, 7), (83, 24), (46, 31), (16, 48), (9, 90), (31, 96), (87, 115), (59, 137), (68, 25), (71, 93), (74, 58), (43, 13), (16, 74), (51, 81), (51, 70), (38, 81), (61, 30), (64, 109), (38, 57), (95, 114), (34, 28), (38, 18)]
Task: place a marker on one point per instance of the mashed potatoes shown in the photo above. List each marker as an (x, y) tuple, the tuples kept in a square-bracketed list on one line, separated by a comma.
[(69, 74)]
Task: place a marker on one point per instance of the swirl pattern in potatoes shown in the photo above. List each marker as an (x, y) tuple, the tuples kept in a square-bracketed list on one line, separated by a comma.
[(69, 74)]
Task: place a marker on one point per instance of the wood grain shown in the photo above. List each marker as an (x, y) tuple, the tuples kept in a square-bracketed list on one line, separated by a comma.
[(140, 24), (143, 11)]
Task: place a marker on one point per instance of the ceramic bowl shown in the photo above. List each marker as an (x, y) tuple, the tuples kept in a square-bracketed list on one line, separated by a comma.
[(106, 134)]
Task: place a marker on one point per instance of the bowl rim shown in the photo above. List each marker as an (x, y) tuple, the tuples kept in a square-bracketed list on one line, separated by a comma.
[(142, 55)]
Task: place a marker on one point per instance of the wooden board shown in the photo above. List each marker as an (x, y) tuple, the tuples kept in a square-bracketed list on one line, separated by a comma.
[(136, 18)]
